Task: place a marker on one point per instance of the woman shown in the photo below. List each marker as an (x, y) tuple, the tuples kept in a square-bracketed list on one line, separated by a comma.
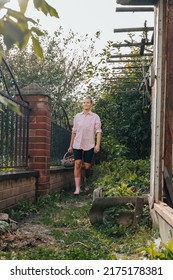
[(86, 129)]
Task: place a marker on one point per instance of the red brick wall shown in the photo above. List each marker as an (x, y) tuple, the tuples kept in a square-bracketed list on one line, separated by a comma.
[(14, 190), (15, 187), (22, 186), (39, 135), (61, 179)]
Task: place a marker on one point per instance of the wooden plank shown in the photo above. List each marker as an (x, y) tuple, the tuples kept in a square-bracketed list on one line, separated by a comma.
[(169, 96), (134, 9), (98, 193), (121, 79), (168, 182), (169, 118), (129, 61), (165, 212), (138, 210), (133, 29), (100, 204), (158, 106), (127, 91), (131, 45), (130, 67), (138, 2), (137, 75), (123, 82), (130, 55)]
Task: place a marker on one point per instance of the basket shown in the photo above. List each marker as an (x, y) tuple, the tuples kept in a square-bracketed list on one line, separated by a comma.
[(68, 160)]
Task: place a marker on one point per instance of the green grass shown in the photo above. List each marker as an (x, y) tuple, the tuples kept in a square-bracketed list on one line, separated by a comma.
[(67, 219)]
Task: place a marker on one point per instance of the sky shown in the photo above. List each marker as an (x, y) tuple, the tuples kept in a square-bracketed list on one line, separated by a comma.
[(88, 17)]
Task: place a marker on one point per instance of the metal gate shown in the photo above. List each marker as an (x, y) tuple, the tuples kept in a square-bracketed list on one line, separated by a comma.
[(14, 121)]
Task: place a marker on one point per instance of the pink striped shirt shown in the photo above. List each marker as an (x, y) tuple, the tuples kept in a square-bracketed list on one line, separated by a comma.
[(86, 126)]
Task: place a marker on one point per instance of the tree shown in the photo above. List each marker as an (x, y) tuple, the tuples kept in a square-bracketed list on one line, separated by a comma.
[(124, 109), (126, 119), (60, 73), (15, 30), (15, 26)]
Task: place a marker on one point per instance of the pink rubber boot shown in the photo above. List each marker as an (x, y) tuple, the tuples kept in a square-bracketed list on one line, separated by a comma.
[(77, 185)]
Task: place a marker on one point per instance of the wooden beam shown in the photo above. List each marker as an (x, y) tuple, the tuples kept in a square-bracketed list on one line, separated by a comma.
[(134, 9), (133, 29), (168, 184), (137, 2), (129, 61), (129, 67), (124, 82), (165, 212), (131, 45), (130, 55), (138, 210), (169, 117), (168, 94), (124, 78), (127, 91), (137, 75), (102, 203)]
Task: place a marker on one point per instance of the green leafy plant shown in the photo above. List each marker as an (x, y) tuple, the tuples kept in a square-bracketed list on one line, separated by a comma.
[(4, 226), (122, 177), (164, 252), (17, 28), (25, 208)]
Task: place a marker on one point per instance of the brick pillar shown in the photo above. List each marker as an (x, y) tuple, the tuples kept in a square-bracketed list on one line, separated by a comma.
[(39, 135)]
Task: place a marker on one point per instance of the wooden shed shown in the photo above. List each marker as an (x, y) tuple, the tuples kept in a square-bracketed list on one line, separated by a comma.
[(161, 188)]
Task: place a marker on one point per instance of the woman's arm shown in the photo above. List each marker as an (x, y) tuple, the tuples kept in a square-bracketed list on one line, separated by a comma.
[(70, 149), (98, 141)]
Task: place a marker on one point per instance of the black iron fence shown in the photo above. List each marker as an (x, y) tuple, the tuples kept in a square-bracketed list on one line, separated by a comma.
[(14, 121), (14, 125), (60, 140)]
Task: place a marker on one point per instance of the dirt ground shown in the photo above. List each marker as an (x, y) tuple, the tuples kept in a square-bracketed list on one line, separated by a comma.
[(30, 232), (27, 233)]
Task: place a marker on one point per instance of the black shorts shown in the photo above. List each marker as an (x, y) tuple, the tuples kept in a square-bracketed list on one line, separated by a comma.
[(87, 156)]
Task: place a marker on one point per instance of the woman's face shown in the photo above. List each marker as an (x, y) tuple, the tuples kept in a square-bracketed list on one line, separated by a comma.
[(87, 104)]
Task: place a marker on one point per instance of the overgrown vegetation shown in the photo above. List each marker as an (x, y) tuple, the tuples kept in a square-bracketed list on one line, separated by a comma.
[(66, 219), (121, 177), (163, 252), (126, 118), (124, 169)]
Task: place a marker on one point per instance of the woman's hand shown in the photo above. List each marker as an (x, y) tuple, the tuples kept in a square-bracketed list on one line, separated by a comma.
[(70, 149), (96, 149)]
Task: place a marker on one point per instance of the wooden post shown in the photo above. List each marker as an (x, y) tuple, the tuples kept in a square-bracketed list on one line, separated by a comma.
[(158, 105), (169, 91)]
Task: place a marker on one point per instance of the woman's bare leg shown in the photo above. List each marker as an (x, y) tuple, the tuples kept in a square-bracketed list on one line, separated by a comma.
[(77, 175)]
